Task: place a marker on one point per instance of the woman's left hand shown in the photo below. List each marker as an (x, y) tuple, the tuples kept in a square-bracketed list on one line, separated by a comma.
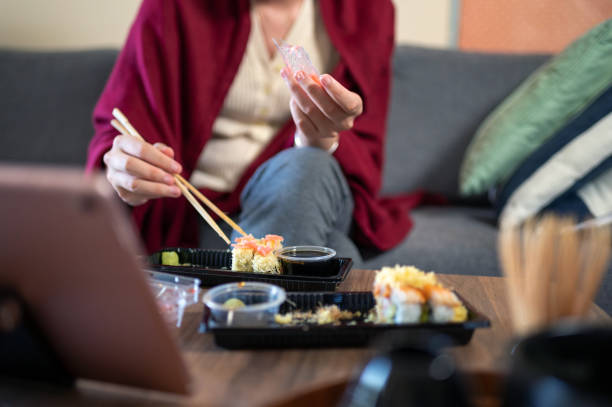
[(321, 110)]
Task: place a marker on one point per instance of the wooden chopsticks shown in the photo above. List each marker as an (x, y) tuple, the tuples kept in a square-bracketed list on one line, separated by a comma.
[(212, 206), (553, 269), (122, 124)]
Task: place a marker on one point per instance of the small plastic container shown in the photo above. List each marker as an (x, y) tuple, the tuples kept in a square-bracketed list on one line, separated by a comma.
[(261, 303), (307, 260), (173, 294)]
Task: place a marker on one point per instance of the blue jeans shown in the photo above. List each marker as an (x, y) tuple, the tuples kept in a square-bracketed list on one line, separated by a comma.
[(302, 195)]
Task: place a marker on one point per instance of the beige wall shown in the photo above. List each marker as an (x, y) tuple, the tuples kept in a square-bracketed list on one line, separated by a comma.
[(73, 24), (423, 22), (66, 24)]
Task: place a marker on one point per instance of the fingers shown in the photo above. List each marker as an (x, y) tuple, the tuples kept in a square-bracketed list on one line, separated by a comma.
[(312, 112), (323, 124), (321, 100), (333, 108), (308, 129), (141, 187), (349, 101), (318, 106), (303, 123), (164, 149), (122, 162), (148, 153), (130, 198), (139, 171)]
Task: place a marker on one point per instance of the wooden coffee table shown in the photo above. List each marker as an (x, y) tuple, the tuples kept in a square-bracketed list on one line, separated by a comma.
[(296, 376)]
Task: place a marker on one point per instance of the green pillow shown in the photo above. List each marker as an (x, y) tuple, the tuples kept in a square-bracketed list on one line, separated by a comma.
[(546, 101)]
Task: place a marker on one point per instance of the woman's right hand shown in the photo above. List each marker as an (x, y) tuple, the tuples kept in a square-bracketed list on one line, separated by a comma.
[(139, 171)]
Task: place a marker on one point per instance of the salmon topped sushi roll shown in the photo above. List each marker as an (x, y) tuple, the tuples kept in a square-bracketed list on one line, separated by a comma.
[(256, 255), (445, 305), (264, 261), (242, 253)]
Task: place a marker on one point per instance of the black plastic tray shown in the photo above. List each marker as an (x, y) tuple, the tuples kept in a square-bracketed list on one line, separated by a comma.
[(360, 334), (213, 267)]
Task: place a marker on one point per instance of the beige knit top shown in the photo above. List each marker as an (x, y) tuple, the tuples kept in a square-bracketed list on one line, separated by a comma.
[(257, 103)]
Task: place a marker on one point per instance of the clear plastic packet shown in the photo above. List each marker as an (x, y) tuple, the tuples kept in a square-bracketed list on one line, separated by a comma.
[(173, 294), (296, 59)]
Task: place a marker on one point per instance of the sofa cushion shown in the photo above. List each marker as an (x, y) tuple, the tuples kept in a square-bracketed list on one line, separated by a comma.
[(542, 105), (439, 99), (575, 156), (46, 103)]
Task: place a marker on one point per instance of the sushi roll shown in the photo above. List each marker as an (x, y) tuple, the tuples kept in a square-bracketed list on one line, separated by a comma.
[(444, 305), (404, 305), (400, 305), (256, 255), (403, 295), (397, 294), (408, 302), (264, 261), (242, 253)]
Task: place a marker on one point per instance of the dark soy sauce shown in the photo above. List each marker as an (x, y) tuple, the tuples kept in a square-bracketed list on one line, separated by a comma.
[(305, 263)]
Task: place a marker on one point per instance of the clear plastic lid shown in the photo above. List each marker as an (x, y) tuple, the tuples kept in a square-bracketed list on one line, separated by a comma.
[(173, 294)]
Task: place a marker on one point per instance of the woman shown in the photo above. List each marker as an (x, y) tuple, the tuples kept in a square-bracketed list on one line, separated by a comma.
[(199, 80)]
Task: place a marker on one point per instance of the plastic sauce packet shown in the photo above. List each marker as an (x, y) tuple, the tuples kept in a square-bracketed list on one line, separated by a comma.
[(173, 294), (296, 59)]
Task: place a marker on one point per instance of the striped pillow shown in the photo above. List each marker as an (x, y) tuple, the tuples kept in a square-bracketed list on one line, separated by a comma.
[(541, 106), (570, 173)]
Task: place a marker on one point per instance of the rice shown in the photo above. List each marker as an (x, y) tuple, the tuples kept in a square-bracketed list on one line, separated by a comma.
[(408, 313), (266, 264), (242, 258), (445, 305), (442, 314)]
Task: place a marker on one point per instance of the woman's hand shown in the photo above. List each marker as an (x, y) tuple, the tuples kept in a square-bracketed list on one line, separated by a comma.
[(139, 171), (321, 110)]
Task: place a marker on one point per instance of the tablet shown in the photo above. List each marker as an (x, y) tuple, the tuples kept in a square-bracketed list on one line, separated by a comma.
[(68, 248)]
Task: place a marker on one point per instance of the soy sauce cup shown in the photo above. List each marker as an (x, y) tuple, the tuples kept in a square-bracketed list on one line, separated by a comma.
[(315, 261)]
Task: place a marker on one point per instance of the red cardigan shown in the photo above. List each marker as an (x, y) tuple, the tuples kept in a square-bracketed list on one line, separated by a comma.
[(175, 70)]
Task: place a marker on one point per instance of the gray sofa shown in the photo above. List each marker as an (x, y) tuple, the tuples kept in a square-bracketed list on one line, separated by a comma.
[(439, 99)]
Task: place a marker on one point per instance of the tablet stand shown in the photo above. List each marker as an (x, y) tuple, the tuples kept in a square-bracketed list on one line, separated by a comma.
[(24, 351)]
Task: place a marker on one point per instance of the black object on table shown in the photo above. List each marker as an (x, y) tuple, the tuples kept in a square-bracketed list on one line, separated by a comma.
[(414, 373), (24, 351), (568, 365)]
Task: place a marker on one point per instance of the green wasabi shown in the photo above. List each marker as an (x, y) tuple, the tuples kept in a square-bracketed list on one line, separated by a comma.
[(233, 303), (170, 259)]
